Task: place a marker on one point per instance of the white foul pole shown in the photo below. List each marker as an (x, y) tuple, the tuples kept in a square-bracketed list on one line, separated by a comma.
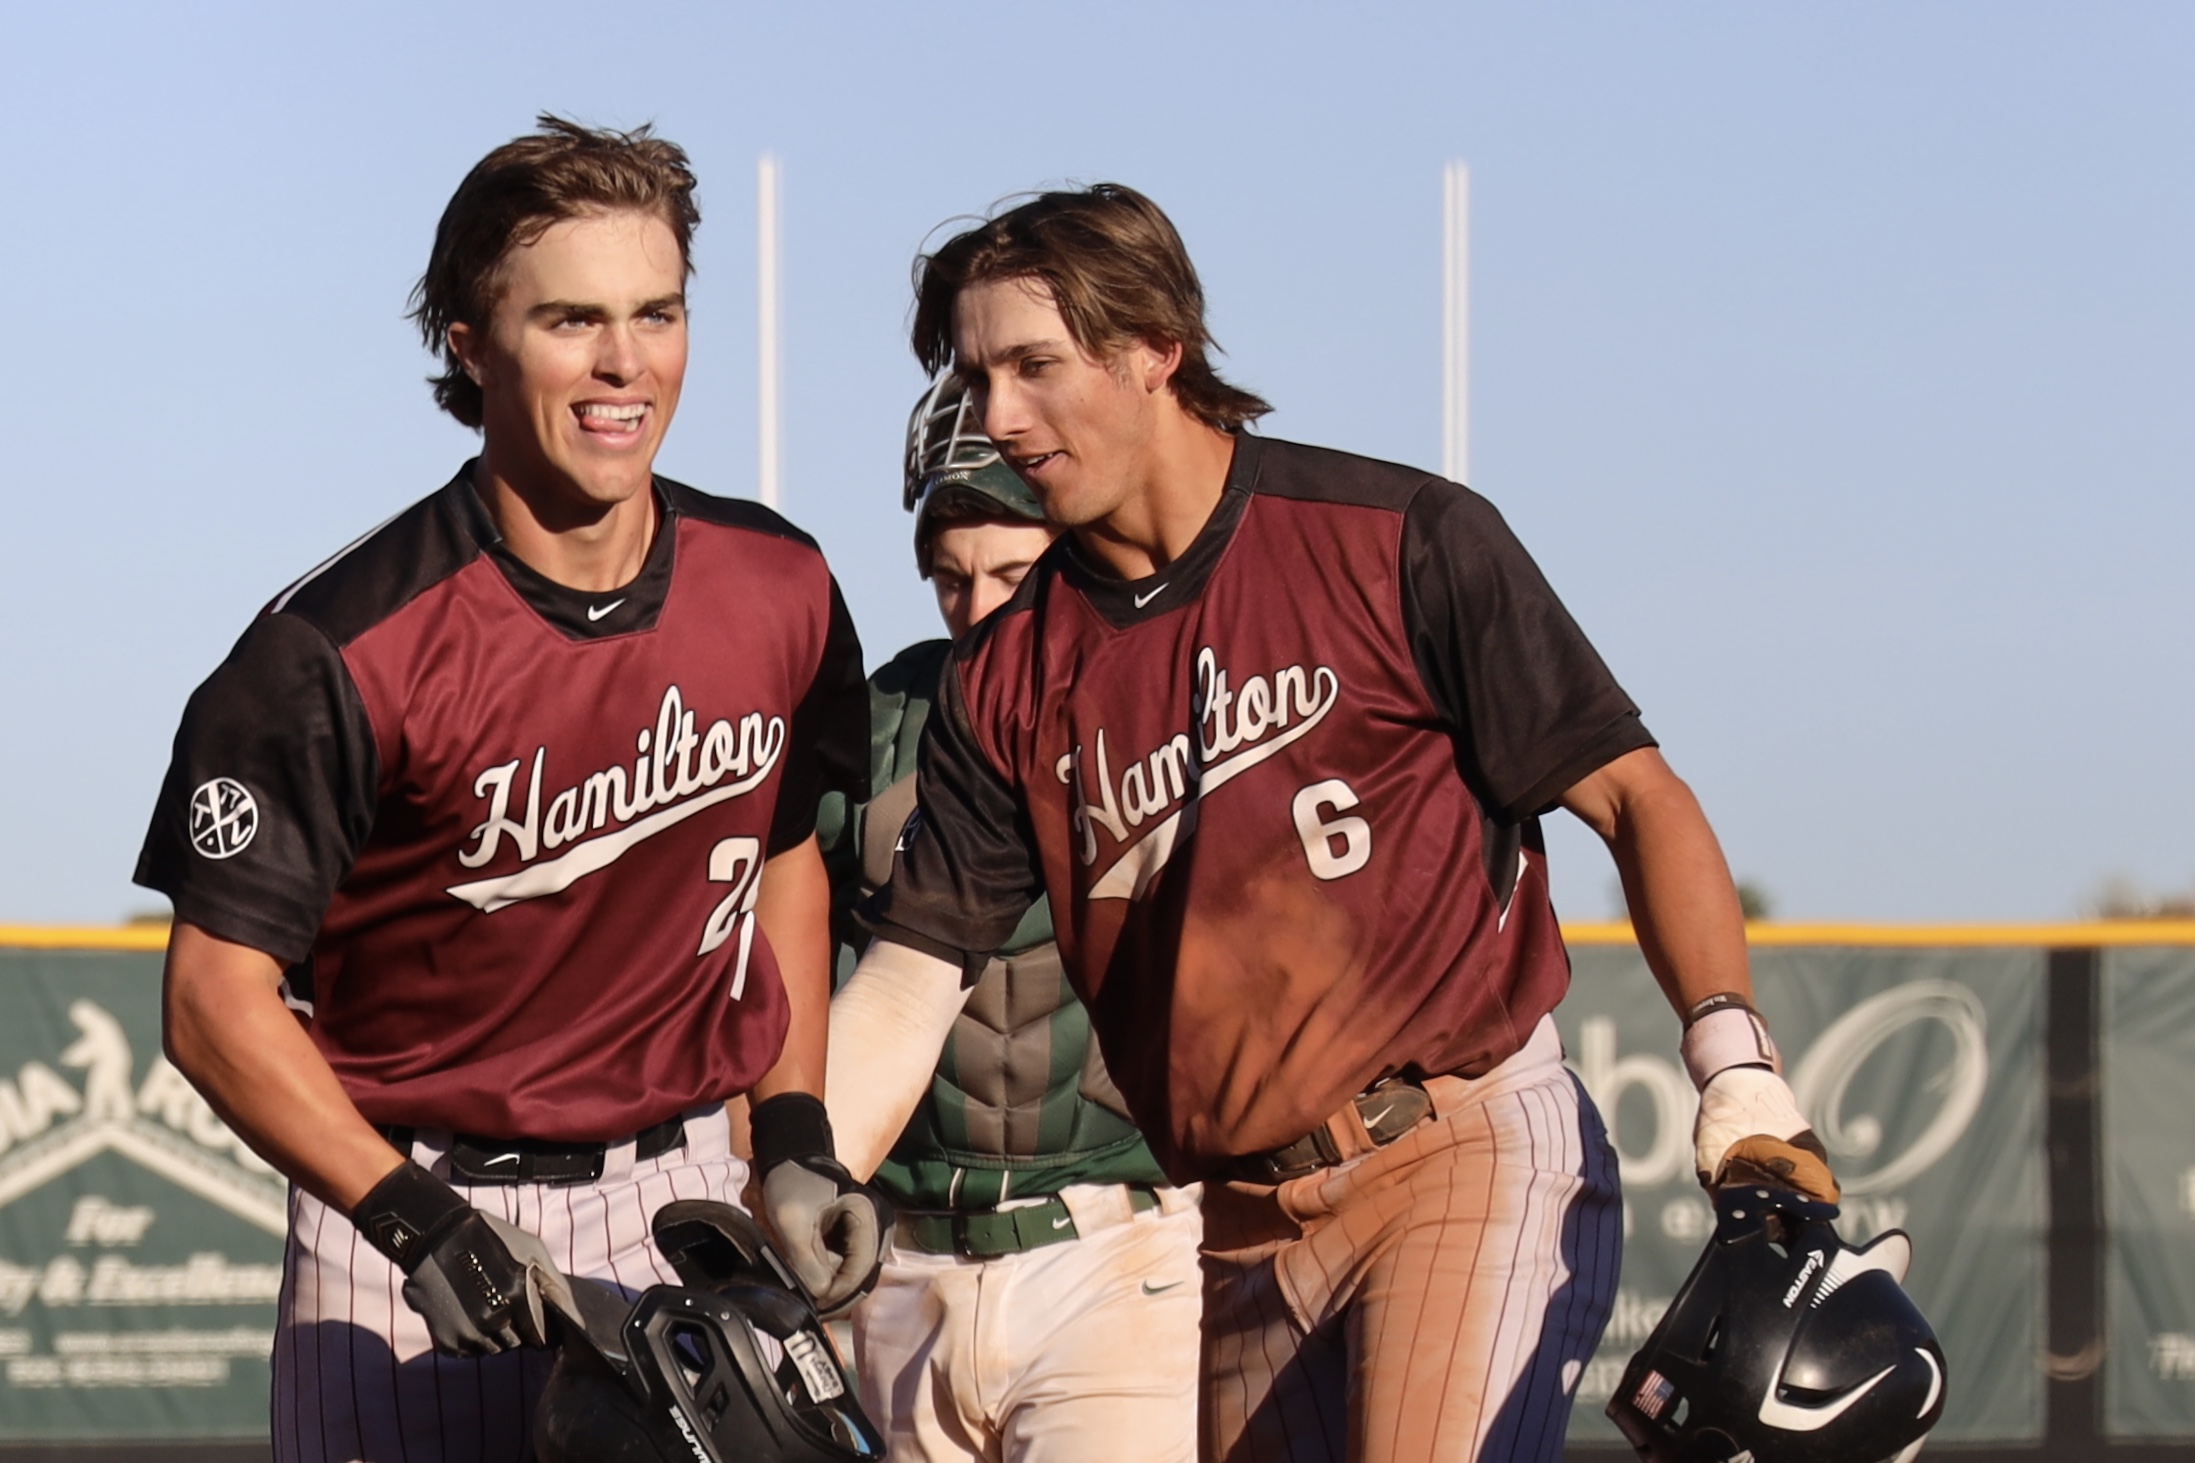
[(766, 329), (1455, 324)]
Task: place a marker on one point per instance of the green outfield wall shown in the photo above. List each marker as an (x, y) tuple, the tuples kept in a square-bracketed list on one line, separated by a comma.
[(2022, 1101), (140, 1243)]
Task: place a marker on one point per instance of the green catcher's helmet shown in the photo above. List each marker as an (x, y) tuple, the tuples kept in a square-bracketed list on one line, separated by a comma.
[(954, 471)]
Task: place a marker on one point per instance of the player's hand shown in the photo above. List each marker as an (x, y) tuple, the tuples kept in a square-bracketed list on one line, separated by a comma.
[(832, 1227), (1750, 1131), (482, 1285)]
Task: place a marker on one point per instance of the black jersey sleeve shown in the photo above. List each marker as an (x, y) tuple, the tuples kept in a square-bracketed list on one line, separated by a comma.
[(270, 791), (966, 870), (1532, 706), (827, 749)]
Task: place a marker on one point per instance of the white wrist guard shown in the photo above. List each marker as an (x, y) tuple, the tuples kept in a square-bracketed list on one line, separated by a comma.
[(1732, 1034)]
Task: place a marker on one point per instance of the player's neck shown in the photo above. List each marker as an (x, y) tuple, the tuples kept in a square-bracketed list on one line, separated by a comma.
[(564, 537), (1179, 486)]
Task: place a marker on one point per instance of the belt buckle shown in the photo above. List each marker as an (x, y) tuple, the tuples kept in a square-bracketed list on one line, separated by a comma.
[(964, 1236), (1273, 1166)]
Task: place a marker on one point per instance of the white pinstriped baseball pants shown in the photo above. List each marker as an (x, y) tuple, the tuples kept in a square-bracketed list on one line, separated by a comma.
[(355, 1378), (1436, 1299)]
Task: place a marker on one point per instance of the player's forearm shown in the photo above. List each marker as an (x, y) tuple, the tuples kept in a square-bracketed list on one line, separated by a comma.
[(887, 1027), (226, 1029), (794, 911), (1683, 905)]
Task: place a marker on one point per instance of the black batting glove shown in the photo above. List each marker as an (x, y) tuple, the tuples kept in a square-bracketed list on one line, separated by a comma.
[(481, 1284)]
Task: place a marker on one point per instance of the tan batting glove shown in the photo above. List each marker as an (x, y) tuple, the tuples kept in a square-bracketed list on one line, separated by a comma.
[(1750, 1131)]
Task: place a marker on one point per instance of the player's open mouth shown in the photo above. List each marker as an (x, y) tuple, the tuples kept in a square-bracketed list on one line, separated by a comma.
[(1027, 465), (615, 420)]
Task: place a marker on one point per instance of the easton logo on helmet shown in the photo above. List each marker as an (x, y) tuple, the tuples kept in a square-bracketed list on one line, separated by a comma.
[(1798, 1287)]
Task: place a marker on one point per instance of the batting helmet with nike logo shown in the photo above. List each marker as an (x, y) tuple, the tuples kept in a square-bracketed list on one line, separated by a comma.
[(1785, 1345)]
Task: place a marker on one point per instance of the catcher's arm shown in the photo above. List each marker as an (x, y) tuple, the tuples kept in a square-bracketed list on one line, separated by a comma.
[(888, 1025)]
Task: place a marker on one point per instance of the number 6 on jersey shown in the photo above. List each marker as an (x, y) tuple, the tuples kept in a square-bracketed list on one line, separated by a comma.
[(1320, 832)]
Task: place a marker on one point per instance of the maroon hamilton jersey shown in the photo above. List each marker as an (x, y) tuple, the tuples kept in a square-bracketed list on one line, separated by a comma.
[(508, 835), (1280, 793)]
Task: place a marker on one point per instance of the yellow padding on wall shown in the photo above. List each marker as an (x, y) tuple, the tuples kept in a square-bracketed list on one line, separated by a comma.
[(84, 937), (2045, 936)]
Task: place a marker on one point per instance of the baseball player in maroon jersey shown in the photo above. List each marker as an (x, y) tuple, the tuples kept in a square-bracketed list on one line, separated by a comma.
[(514, 798), (1271, 726)]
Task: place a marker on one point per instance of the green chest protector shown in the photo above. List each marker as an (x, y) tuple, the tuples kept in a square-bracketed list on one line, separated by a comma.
[(1020, 1105)]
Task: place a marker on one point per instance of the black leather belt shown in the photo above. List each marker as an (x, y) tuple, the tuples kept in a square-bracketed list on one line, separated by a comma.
[(478, 1160), (1388, 1108)]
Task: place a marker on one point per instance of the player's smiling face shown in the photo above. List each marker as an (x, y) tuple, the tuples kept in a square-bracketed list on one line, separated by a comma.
[(581, 364), (1078, 430)]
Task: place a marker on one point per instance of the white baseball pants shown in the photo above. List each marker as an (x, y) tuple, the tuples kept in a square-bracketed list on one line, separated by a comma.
[(355, 1378), (1083, 1352)]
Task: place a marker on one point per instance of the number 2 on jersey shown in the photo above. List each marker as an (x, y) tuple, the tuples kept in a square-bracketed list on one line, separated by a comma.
[(1320, 832), (737, 862)]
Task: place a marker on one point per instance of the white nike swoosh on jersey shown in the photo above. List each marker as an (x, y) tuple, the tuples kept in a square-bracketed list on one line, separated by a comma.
[(596, 612), (1511, 902), (1134, 870), (554, 876), (1144, 599)]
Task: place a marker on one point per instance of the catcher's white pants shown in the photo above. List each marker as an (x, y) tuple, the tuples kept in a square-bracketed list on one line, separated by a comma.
[(1079, 1351), (355, 1377)]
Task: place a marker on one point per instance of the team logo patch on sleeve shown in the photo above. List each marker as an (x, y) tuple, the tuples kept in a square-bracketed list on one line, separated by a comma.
[(224, 817)]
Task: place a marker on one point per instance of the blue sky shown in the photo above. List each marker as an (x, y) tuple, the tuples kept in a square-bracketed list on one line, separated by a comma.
[(1834, 361)]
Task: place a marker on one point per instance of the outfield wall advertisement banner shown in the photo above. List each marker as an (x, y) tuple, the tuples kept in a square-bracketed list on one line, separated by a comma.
[(2148, 1052), (140, 1243), (1922, 1072)]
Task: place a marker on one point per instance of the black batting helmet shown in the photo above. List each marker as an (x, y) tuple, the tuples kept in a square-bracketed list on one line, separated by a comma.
[(730, 1367), (1786, 1345)]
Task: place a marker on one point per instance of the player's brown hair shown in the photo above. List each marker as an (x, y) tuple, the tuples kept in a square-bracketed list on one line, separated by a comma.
[(510, 198), (1117, 272)]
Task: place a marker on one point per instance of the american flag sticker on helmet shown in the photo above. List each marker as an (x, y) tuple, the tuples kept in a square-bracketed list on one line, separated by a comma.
[(1654, 1394)]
